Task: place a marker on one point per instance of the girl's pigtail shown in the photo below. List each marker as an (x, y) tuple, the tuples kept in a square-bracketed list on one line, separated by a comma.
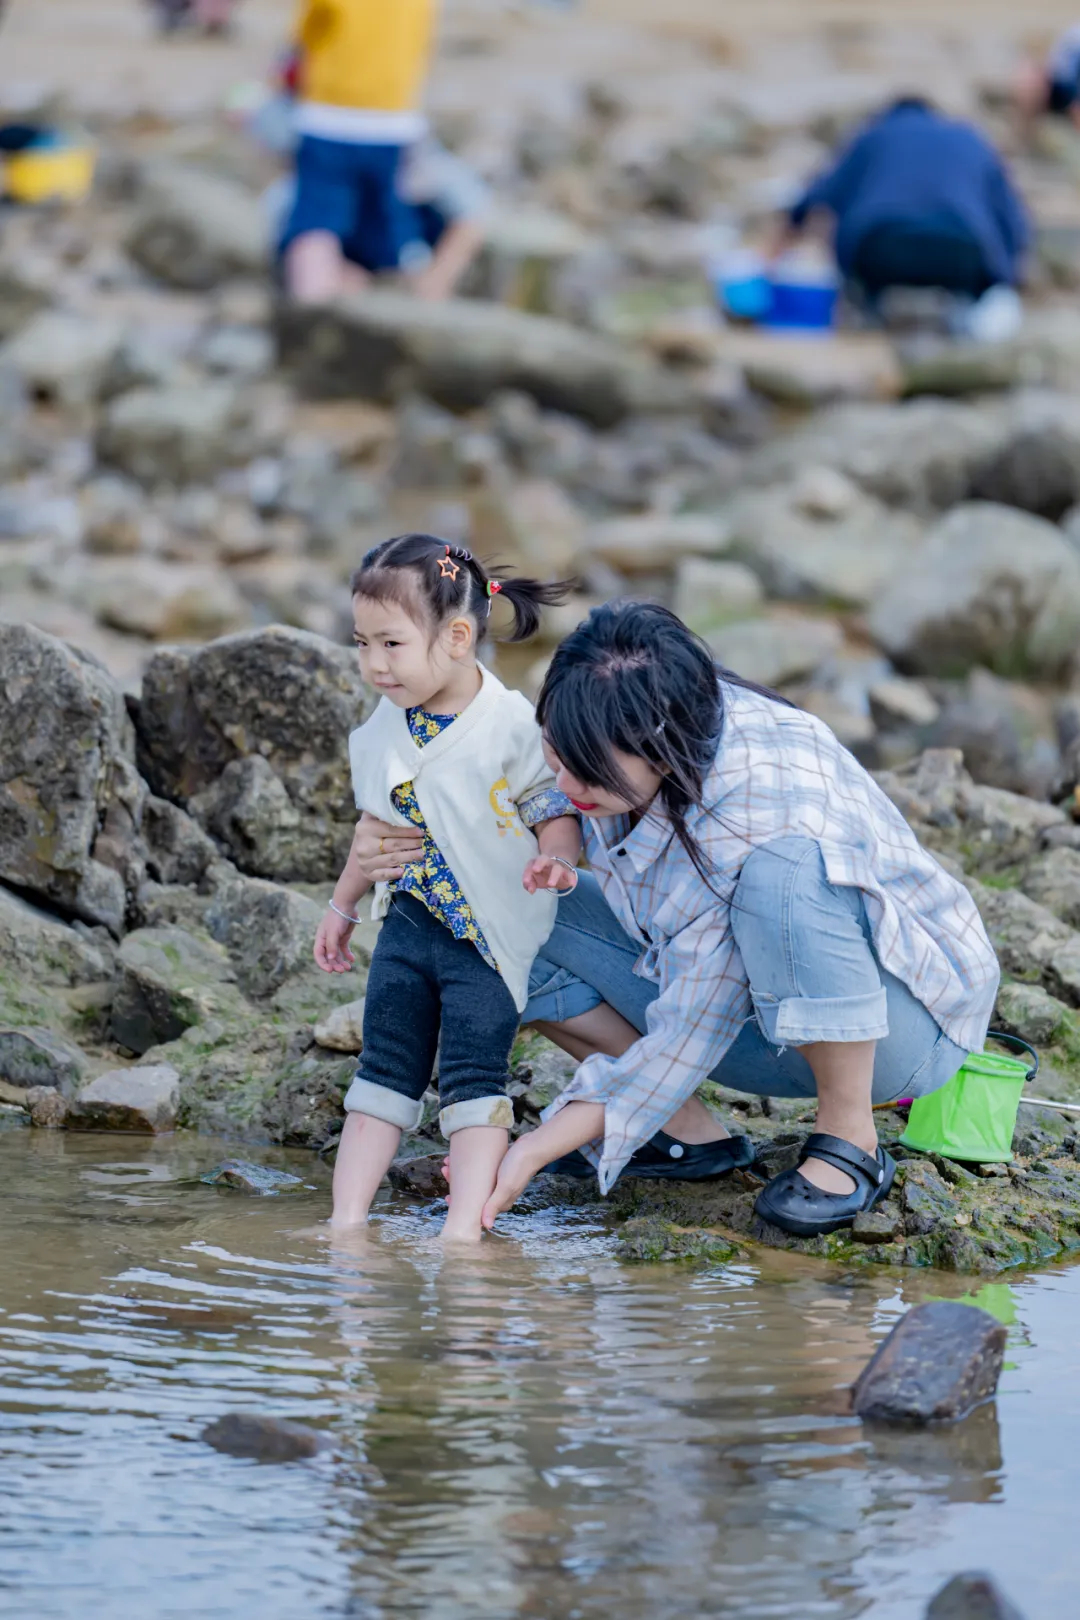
[(526, 597)]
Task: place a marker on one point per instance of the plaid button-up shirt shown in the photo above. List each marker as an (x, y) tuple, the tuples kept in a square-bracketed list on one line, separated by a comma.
[(778, 772)]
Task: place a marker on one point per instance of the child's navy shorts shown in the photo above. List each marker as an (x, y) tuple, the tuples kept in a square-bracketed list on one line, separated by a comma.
[(350, 190)]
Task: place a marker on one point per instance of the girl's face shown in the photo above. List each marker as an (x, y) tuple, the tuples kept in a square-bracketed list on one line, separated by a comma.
[(399, 658), (594, 801)]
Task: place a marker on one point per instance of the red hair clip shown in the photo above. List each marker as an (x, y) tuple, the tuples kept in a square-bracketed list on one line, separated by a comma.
[(494, 586)]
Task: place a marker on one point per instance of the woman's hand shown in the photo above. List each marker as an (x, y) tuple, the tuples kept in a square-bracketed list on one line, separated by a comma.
[(545, 872), (515, 1172), (381, 851), (332, 951)]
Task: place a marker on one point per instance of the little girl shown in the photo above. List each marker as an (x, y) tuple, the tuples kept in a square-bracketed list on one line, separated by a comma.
[(451, 751)]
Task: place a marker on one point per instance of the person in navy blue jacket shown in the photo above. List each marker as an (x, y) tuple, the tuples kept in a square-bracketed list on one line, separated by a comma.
[(920, 200)]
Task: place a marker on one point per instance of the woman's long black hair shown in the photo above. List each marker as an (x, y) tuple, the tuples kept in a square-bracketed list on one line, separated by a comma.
[(419, 571), (632, 677)]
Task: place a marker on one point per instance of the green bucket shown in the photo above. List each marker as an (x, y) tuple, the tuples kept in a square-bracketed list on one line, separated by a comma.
[(974, 1116)]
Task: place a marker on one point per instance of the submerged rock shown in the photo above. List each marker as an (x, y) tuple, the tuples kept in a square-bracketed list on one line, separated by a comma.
[(940, 1360), (140, 1099), (972, 1597), (243, 1176), (263, 1439)]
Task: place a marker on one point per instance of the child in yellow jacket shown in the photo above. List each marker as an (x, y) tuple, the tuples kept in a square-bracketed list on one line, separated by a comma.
[(362, 69)]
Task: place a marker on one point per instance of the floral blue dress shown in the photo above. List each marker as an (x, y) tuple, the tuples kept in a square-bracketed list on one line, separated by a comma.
[(429, 879)]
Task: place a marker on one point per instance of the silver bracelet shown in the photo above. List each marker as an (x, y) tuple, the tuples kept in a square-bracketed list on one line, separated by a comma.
[(344, 914), (570, 867)]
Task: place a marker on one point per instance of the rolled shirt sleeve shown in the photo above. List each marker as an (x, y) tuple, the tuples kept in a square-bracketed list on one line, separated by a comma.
[(547, 805), (704, 1002)]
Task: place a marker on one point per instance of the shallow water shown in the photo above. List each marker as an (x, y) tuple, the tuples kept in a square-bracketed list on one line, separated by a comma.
[(536, 1431)]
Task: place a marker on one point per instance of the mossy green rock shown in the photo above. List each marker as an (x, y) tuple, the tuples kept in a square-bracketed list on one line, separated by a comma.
[(169, 980)]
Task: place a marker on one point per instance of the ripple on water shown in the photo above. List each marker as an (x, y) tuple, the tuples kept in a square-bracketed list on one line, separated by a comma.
[(533, 1430)]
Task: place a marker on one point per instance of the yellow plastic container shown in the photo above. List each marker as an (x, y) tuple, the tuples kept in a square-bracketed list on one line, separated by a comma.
[(41, 174)]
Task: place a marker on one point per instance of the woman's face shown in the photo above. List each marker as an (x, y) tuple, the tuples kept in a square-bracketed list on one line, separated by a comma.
[(594, 801)]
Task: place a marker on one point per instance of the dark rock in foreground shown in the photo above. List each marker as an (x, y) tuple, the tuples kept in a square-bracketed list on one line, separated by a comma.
[(264, 1439), (940, 1360), (972, 1597)]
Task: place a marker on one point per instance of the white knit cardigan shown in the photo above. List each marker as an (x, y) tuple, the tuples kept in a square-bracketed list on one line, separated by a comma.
[(469, 781)]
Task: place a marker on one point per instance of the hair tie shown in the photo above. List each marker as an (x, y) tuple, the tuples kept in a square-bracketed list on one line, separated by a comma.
[(448, 568)]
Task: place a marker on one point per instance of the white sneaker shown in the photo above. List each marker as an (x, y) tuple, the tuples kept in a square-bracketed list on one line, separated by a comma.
[(995, 317)]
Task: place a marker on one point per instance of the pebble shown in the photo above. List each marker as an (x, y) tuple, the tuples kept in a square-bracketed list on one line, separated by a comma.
[(244, 1176)]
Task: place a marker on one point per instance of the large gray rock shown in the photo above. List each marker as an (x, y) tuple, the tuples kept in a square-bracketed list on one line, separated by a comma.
[(169, 980), (922, 454), (655, 544), (775, 650), (252, 731), (1028, 1011), (940, 1360), (175, 435), (1006, 732), (1053, 879), (384, 345), (40, 1057), (142, 1099), (268, 931), (989, 585), (1031, 941), (70, 797), (1037, 464), (38, 947), (63, 357), (194, 229), (342, 1030), (177, 849), (846, 556)]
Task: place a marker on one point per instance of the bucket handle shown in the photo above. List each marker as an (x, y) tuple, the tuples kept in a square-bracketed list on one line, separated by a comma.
[(1024, 1046)]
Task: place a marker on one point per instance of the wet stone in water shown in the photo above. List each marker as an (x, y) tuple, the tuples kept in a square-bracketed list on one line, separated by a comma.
[(265, 1439), (972, 1597), (251, 1178), (940, 1360)]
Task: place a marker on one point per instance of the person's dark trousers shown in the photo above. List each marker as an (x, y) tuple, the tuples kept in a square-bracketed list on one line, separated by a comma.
[(920, 255), (423, 979)]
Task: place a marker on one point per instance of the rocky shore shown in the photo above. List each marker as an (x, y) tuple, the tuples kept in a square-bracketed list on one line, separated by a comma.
[(886, 528)]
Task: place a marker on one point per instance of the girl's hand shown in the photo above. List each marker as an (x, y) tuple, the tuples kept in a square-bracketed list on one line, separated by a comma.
[(382, 851), (332, 951), (545, 872), (515, 1172)]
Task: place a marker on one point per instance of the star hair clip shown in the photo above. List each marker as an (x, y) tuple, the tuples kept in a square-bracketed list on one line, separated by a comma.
[(448, 568)]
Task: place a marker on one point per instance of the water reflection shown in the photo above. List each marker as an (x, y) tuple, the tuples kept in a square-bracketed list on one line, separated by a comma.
[(530, 1431)]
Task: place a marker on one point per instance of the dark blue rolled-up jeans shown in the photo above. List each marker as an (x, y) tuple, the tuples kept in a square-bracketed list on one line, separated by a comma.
[(423, 980)]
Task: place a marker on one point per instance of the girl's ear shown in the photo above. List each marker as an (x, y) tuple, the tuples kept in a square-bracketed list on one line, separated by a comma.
[(460, 636)]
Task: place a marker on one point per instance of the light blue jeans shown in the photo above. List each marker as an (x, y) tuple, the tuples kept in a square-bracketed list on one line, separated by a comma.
[(810, 964)]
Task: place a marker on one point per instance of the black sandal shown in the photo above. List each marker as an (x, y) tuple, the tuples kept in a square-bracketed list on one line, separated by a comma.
[(662, 1158), (795, 1205)]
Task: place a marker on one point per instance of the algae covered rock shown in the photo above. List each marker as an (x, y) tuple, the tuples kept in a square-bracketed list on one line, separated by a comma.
[(39, 1057), (169, 980), (242, 1176)]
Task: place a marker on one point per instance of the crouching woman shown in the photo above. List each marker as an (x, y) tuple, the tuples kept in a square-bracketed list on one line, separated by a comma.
[(756, 911)]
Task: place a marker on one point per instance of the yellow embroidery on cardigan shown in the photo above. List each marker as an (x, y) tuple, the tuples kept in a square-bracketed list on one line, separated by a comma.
[(506, 816)]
